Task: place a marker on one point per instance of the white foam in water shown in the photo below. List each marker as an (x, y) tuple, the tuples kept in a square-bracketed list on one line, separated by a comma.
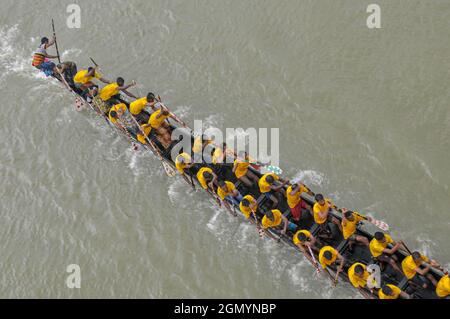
[(309, 177)]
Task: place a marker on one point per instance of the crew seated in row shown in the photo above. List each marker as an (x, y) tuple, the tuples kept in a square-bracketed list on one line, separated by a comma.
[(137, 107), (295, 201), (378, 248), (228, 193), (269, 187), (241, 170), (329, 256), (273, 219)]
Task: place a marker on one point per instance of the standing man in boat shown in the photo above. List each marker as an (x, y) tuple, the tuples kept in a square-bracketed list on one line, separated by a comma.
[(40, 57), (83, 79), (321, 210), (295, 201), (110, 94), (349, 224)]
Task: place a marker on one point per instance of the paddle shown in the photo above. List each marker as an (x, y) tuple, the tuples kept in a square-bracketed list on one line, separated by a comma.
[(378, 223), (314, 260), (56, 43)]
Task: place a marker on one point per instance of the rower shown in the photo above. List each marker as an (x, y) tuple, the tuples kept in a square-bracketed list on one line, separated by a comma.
[(389, 291), (219, 156), (116, 112), (207, 178), (328, 256), (182, 162), (303, 238), (267, 187), (443, 287), (321, 210), (137, 107), (146, 129), (41, 56), (241, 171), (380, 252), (411, 267), (228, 193), (349, 223), (158, 123), (358, 275), (110, 94), (294, 199), (200, 142), (248, 206), (273, 218), (83, 79)]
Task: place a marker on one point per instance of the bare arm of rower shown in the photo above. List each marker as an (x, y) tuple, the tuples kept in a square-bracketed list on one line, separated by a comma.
[(285, 221), (423, 271), (105, 80), (51, 42), (393, 249)]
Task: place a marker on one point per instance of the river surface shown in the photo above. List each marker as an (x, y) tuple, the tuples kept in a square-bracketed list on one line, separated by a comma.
[(363, 116)]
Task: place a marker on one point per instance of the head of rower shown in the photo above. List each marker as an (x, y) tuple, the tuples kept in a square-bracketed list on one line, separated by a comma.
[(208, 176), (120, 81), (359, 271), (245, 202), (417, 257), (150, 97), (387, 290), (349, 215), (303, 238), (379, 236), (320, 199), (44, 40), (328, 255), (269, 215), (223, 186)]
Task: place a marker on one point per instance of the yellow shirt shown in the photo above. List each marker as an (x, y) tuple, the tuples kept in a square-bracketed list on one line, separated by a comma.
[(322, 209), (141, 138), (298, 241), (157, 122), (409, 266), (81, 78), (200, 177), (376, 248), (349, 227), (222, 194), (264, 187), (395, 290), (355, 279), (325, 262), (267, 223), (180, 166), (246, 211), (137, 106), (217, 156), (294, 200), (241, 168), (109, 91), (443, 287), (116, 108)]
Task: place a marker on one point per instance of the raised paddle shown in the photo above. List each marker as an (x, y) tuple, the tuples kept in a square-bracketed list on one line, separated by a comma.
[(56, 43), (378, 223)]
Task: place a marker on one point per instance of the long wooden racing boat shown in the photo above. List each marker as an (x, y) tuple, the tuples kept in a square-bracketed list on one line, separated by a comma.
[(359, 253)]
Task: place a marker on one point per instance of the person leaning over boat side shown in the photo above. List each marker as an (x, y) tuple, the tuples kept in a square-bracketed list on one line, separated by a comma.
[(328, 256), (110, 94), (241, 171), (389, 291), (184, 162), (303, 238), (228, 193), (443, 287), (207, 178), (294, 199), (349, 223), (41, 56), (137, 107), (248, 207), (321, 210), (358, 274), (273, 218), (411, 267), (378, 248), (268, 188), (83, 79)]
